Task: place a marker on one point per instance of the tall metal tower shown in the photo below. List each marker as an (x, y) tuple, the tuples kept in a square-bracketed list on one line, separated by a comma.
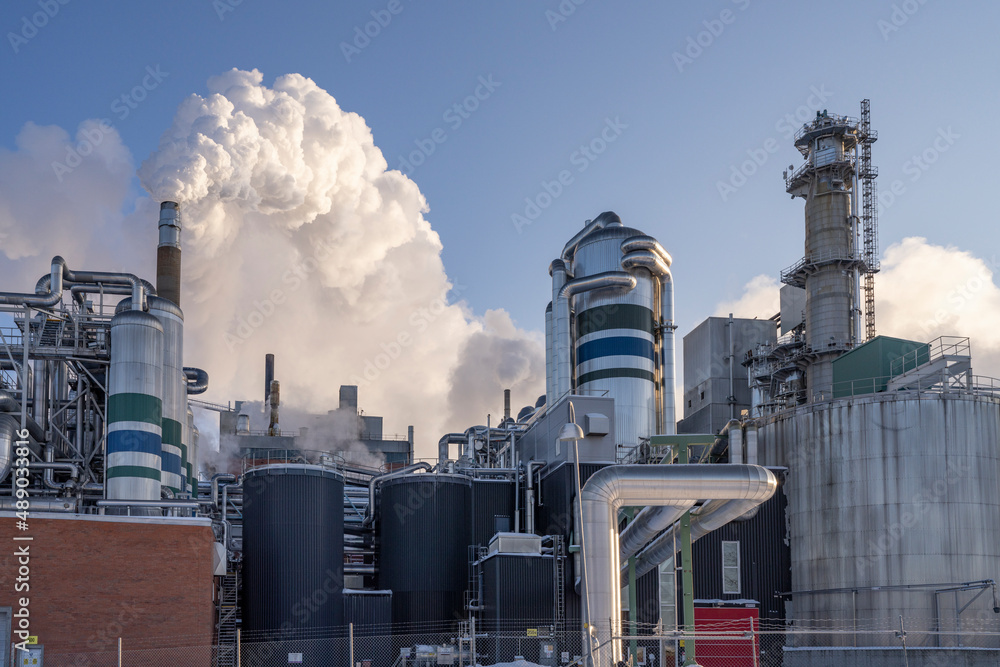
[(869, 215)]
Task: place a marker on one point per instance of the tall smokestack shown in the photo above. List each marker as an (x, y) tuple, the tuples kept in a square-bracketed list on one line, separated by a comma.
[(506, 404), (168, 253), (268, 376)]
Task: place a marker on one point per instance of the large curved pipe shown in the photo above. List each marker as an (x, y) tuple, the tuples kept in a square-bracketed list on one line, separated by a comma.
[(449, 439), (197, 380), (649, 523), (8, 436), (611, 488), (562, 309), (370, 511), (220, 477), (657, 262), (10, 404), (663, 547), (49, 289), (603, 220)]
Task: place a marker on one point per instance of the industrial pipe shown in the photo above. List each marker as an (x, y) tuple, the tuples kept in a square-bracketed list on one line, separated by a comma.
[(613, 487), (529, 505), (11, 405), (50, 288), (168, 253), (603, 220), (448, 439), (563, 307), (646, 252), (549, 354), (219, 477), (649, 523), (370, 511), (197, 380)]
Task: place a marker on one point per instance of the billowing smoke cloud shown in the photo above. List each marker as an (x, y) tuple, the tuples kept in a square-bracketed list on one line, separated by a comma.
[(298, 241), (922, 292)]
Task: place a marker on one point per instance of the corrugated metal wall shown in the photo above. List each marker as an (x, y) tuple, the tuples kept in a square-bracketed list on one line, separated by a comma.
[(492, 509)]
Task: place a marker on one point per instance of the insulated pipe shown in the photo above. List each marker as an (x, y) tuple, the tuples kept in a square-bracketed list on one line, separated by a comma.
[(529, 505), (613, 487), (557, 269), (8, 436), (197, 380), (370, 510), (63, 277), (448, 439), (653, 261), (750, 441), (10, 404), (607, 279), (549, 352), (603, 220), (736, 443), (662, 547), (219, 477), (649, 523), (45, 297)]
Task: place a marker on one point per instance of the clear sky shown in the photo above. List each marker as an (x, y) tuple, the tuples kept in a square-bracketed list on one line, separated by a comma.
[(684, 95)]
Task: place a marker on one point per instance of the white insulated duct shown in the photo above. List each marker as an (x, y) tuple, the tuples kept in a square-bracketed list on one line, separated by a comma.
[(562, 310), (646, 252), (611, 488), (649, 523)]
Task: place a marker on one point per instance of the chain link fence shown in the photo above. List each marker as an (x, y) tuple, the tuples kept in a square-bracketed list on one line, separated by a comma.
[(882, 643)]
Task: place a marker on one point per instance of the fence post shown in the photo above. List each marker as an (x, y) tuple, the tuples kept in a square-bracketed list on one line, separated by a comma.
[(119, 652), (473, 622), (350, 635), (753, 643), (239, 642)]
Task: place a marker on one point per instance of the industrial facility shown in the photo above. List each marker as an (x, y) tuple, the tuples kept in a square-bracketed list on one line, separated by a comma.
[(820, 477)]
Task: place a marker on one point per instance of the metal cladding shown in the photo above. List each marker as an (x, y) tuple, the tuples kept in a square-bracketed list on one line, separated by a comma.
[(293, 553), (492, 509), (518, 593), (615, 344), (135, 407), (168, 253), (890, 489), (191, 470), (174, 452), (424, 535)]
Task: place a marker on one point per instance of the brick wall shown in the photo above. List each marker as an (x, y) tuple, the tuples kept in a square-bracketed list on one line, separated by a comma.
[(94, 579)]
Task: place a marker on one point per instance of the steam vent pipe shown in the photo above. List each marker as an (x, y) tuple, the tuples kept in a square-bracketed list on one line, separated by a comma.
[(168, 253), (268, 376), (614, 487)]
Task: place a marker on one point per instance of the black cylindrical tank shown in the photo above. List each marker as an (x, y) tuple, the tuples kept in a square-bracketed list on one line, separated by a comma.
[(492, 509), (424, 537), (293, 553)]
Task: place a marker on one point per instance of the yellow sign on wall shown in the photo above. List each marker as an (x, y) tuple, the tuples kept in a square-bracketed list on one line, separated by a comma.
[(32, 639), (532, 632)]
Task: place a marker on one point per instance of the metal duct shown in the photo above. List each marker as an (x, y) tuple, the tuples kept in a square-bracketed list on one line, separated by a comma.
[(168, 253), (370, 510), (550, 364), (268, 376), (49, 288), (557, 269), (448, 439), (647, 524), (603, 220), (562, 310), (10, 404), (197, 380), (646, 252), (611, 488), (8, 436)]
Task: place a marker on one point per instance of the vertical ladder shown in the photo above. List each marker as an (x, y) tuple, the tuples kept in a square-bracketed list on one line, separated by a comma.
[(560, 581), (869, 216), (228, 619)]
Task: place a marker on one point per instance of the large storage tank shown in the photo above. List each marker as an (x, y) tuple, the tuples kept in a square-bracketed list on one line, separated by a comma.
[(135, 407), (895, 489), (293, 555), (424, 535), (174, 451), (492, 509)]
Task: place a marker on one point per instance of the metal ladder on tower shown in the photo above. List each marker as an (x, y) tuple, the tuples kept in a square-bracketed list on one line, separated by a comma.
[(560, 581), (229, 621), (869, 216)]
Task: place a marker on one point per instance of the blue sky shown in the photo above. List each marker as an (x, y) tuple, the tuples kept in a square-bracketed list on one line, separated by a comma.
[(684, 94), (687, 120)]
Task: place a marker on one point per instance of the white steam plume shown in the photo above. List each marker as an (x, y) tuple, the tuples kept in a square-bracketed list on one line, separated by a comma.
[(299, 242), (923, 291)]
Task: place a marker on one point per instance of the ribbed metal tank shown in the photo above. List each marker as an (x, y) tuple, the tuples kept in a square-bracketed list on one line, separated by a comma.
[(174, 452), (293, 554), (135, 407), (890, 490), (492, 509), (613, 339), (424, 533)]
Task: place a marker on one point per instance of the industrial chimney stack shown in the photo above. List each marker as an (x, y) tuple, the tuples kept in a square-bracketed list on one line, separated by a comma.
[(168, 254)]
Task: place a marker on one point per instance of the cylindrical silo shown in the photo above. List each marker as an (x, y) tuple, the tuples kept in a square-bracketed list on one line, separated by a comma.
[(135, 407), (293, 556), (424, 531), (614, 340), (893, 489), (174, 452)]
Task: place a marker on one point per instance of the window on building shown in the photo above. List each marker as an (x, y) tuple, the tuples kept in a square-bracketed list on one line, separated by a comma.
[(731, 567)]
